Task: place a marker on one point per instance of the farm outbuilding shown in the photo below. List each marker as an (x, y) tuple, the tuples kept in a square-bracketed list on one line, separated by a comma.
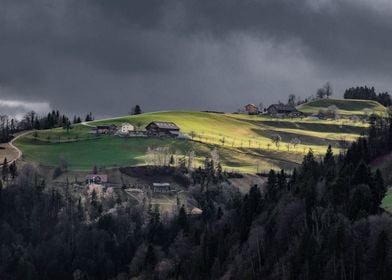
[(163, 188), (96, 179), (106, 129), (196, 211), (251, 109)]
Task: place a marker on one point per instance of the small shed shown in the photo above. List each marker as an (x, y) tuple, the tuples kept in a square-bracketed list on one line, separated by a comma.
[(251, 109), (96, 179), (163, 188), (106, 129), (196, 211)]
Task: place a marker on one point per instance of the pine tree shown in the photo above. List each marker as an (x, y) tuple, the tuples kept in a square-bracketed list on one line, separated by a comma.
[(5, 170), (219, 213), (360, 202), (171, 162), (328, 158), (329, 165), (183, 219), (378, 189), (281, 180), (94, 201), (310, 167), (219, 170), (80, 209), (362, 174), (137, 110), (271, 185), (381, 256), (13, 170), (1, 198)]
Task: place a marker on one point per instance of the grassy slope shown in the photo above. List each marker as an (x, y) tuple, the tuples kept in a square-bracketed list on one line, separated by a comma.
[(247, 141), (346, 106), (385, 165), (387, 201)]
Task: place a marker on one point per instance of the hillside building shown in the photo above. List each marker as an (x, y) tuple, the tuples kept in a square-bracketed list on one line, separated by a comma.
[(282, 110), (127, 128), (106, 129), (163, 188), (251, 109), (163, 129), (98, 179), (196, 211)]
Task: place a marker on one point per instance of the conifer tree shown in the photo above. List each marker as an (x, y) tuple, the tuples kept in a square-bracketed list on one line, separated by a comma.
[(183, 219), (13, 170), (5, 170)]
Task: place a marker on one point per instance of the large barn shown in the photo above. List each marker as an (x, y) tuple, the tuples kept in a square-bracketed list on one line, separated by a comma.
[(281, 109), (163, 129)]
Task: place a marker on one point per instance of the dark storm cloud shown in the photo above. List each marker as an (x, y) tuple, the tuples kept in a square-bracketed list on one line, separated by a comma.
[(348, 33), (104, 56)]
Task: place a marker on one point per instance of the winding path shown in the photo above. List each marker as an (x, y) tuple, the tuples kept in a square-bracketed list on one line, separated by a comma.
[(86, 124), (18, 151)]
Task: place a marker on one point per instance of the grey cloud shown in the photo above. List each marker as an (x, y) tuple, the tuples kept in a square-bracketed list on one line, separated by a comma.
[(346, 33), (105, 56)]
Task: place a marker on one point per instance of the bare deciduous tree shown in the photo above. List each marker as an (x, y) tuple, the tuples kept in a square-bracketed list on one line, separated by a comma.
[(276, 139), (295, 142), (192, 134)]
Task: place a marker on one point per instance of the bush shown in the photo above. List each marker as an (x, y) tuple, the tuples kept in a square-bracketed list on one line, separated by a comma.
[(57, 172)]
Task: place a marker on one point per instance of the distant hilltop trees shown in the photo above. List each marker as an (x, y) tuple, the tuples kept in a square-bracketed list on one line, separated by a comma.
[(368, 93), (31, 120)]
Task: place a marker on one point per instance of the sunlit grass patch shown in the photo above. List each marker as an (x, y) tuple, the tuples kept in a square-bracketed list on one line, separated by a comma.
[(244, 142)]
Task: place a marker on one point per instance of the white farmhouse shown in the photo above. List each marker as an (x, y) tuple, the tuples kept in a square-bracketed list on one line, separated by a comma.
[(127, 128)]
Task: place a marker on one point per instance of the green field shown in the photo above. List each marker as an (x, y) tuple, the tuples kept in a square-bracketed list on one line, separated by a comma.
[(244, 142), (346, 106), (384, 163), (387, 202)]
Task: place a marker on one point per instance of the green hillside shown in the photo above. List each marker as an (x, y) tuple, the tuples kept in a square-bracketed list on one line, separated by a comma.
[(244, 142), (384, 163), (346, 106)]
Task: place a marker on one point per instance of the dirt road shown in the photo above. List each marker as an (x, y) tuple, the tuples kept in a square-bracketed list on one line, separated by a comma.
[(11, 152)]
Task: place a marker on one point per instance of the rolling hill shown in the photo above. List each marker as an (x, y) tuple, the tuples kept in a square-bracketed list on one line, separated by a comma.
[(346, 106), (243, 142)]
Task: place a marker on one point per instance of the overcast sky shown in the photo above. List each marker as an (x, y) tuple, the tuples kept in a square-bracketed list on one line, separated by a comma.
[(105, 56)]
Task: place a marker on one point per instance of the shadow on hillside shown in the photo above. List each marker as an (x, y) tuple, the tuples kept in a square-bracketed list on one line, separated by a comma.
[(305, 139)]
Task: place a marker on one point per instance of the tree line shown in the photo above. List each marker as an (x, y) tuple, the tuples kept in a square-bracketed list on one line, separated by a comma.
[(368, 93), (31, 120)]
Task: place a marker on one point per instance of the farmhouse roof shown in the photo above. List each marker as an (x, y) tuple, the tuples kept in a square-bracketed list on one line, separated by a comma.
[(165, 125), (196, 211), (283, 107), (106, 126), (161, 184)]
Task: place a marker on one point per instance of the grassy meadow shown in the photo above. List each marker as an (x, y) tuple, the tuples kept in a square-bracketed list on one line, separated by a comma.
[(243, 142), (347, 107)]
